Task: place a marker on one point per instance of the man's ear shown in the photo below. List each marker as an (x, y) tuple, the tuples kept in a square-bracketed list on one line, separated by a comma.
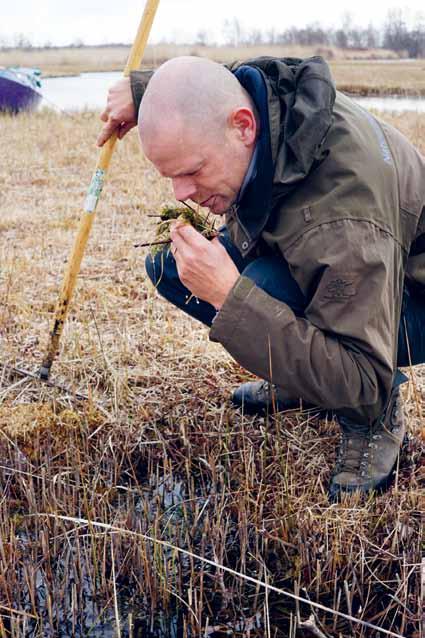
[(243, 121)]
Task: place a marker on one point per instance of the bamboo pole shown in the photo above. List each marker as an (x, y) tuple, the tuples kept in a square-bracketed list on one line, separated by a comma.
[(92, 198)]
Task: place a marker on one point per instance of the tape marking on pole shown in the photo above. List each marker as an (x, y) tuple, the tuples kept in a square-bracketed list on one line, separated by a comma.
[(94, 190)]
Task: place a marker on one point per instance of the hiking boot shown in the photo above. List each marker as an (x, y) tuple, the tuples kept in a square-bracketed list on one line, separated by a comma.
[(367, 456), (259, 397)]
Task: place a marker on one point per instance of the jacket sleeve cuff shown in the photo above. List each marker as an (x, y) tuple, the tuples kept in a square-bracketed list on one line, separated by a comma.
[(228, 317), (138, 83)]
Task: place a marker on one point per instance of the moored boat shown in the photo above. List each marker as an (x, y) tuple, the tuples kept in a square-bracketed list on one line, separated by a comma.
[(19, 89)]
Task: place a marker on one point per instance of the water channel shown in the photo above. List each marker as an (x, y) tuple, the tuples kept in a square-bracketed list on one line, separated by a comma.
[(88, 91)]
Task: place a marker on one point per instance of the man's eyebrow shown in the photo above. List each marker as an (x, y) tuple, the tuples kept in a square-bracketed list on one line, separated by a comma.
[(187, 171)]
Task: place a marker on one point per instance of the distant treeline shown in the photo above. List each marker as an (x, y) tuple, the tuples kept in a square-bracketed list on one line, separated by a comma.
[(399, 33)]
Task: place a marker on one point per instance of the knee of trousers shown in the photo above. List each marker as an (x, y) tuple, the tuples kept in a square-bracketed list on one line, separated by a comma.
[(156, 267), (162, 271)]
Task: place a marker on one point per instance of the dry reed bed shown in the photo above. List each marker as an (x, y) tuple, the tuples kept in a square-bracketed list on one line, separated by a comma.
[(367, 77), (66, 60), (157, 449), (352, 70)]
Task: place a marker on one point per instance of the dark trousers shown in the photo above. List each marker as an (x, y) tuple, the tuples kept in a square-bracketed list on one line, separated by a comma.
[(272, 274)]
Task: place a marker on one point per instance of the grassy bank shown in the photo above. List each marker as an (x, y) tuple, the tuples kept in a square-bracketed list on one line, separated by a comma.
[(401, 77), (361, 72), (157, 449)]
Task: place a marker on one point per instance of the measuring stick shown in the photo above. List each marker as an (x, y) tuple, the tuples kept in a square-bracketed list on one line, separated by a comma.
[(93, 194)]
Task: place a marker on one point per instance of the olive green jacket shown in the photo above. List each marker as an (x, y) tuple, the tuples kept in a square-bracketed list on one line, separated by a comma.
[(347, 213)]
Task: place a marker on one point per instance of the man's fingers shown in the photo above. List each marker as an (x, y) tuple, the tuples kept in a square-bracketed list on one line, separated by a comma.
[(111, 126), (175, 225), (189, 235), (119, 114), (106, 132), (125, 128), (178, 245)]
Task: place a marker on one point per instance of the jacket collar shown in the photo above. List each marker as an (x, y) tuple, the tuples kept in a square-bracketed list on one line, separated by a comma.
[(254, 202), (294, 99)]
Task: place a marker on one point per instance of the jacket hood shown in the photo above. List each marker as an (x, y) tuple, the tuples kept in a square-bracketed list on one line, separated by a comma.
[(300, 100), (257, 193)]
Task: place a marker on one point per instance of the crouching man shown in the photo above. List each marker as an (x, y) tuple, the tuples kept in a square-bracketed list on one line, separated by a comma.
[(316, 282)]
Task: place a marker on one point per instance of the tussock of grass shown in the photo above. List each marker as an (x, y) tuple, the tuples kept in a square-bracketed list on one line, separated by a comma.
[(157, 449)]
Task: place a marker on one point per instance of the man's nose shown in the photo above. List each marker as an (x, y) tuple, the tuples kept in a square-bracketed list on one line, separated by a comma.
[(183, 188)]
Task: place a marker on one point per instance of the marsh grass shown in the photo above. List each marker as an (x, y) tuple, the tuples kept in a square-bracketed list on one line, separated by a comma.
[(371, 72), (72, 60), (371, 77), (157, 450)]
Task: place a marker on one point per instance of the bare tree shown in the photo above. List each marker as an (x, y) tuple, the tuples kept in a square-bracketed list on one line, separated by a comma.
[(394, 35), (341, 39), (4, 42), (78, 43), (202, 38), (232, 32), (271, 36), (372, 39), (21, 41), (395, 31), (255, 37)]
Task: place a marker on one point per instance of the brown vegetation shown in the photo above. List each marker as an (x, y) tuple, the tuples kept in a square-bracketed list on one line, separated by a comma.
[(157, 449), (363, 72), (367, 77), (72, 60)]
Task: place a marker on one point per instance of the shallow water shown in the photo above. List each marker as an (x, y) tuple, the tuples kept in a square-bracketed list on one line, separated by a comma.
[(76, 93), (393, 103), (88, 91), (82, 610)]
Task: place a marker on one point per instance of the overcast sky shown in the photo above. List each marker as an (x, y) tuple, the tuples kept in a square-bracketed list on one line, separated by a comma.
[(97, 21)]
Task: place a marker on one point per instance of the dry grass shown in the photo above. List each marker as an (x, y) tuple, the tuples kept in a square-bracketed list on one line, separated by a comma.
[(360, 72), (366, 77), (67, 60), (157, 449)]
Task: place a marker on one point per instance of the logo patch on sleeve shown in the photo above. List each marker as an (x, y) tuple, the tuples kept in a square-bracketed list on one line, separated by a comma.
[(340, 289)]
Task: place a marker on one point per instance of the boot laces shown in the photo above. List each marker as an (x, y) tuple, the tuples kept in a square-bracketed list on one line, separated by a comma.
[(354, 449), (265, 390)]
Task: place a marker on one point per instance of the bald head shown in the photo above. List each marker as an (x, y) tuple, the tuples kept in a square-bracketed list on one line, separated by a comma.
[(190, 93), (198, 127)]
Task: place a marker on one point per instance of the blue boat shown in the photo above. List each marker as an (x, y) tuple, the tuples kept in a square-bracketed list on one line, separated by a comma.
[(19, 89)]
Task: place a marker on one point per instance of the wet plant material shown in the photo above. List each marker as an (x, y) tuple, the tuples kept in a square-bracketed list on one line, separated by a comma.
[(201, 222), (211, 483), (157, 452)]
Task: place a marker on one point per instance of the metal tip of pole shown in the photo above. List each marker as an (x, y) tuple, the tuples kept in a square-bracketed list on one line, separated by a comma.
[(44, 373)]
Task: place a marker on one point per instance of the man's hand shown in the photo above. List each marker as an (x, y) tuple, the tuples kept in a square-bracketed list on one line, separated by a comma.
[(119, 114), (204, 266)]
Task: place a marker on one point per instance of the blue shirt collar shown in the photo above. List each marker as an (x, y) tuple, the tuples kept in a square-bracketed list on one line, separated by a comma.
[(255, 196), (250, 174)]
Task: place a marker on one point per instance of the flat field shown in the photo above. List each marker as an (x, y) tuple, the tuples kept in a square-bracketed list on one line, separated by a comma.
[(372, 72), (156, 449)]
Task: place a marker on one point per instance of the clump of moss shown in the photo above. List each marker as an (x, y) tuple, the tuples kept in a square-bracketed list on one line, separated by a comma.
[(186, 214)]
